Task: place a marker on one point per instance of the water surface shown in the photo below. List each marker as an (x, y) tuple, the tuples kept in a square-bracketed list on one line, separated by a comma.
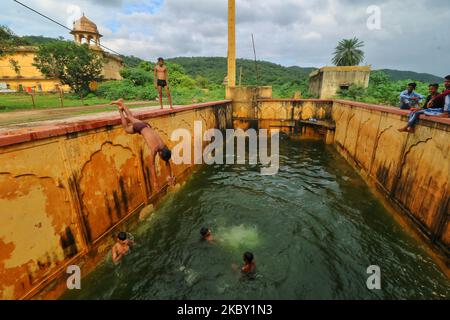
[(314, 228)]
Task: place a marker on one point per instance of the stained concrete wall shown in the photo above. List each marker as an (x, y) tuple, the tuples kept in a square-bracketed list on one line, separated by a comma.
[(325, 82), (411, 170), (66, 189), (245, 103)]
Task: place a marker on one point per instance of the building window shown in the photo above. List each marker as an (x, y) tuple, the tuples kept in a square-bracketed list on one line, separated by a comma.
[(344, 87), (39, 87)]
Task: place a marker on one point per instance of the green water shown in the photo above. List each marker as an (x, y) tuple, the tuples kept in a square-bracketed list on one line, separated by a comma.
[(314, 228)]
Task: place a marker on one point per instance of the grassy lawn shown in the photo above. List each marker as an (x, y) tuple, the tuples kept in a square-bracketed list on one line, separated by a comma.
[(18, 102), (22, 101)]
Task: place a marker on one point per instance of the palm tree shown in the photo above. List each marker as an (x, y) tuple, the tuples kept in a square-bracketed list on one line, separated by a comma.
[(349, 53)]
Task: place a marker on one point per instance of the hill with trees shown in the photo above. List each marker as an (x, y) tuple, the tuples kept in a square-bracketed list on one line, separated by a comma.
[(396, 75), (196, 79)]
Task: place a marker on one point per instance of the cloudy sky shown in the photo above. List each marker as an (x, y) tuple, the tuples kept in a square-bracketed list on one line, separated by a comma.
[(413, 34)]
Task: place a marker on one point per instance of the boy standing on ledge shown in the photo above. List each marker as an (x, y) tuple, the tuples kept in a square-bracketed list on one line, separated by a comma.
[(161, 80)]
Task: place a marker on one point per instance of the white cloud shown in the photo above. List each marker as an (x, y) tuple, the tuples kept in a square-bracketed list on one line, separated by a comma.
[(312, 36), (413, 35)]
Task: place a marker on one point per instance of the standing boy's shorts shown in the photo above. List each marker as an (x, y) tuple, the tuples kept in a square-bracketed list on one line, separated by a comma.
[(162, 83)]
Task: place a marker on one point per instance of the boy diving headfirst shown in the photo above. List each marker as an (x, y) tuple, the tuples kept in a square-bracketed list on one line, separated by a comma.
[(153, 140)]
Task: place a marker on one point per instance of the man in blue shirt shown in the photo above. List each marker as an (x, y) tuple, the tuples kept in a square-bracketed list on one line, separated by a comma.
[(410, 99)]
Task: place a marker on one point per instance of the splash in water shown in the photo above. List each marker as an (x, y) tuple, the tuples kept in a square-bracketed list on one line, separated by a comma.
[(240, 237)]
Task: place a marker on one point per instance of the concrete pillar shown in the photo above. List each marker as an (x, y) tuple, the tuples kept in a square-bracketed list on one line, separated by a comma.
[(231, 43)]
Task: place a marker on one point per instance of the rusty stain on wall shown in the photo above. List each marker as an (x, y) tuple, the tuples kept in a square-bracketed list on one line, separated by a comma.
[(411, 171), (63, 197)]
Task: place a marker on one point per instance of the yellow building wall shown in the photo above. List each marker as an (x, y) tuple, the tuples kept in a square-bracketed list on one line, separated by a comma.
[(30, 76), (111, 68)]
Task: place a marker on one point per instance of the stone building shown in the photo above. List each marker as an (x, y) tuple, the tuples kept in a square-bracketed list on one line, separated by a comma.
[(27, 76), (325, 82)]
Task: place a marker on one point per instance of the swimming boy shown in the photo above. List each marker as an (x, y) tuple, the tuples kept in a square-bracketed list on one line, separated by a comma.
[(162, 81), (154, 142), (249, 263), (121, 248), (206, 234)]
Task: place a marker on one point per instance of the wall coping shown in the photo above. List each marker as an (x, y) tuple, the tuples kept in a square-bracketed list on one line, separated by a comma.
[(21, 135), (295, 100), (368, 106)]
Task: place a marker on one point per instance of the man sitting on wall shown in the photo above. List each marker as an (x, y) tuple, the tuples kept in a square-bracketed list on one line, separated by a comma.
[(416, 113), (438, 106), (433, 90), (153, 140), (409, 99), (442, 99)]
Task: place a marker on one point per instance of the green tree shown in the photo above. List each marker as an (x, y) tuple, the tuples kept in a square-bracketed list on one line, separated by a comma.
[(8, 42), (349, 53), (74, 65)]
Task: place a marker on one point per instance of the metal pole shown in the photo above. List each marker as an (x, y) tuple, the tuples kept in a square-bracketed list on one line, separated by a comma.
[(256, 61)]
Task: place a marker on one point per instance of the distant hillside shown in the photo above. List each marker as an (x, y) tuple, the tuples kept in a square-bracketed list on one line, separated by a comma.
[(396, 75), (215, 69), (131, 61)]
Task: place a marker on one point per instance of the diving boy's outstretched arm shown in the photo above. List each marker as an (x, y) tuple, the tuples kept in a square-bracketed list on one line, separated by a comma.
[(153, 176), (170, 176)]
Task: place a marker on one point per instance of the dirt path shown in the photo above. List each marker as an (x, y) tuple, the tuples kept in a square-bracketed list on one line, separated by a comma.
[(21, 118)]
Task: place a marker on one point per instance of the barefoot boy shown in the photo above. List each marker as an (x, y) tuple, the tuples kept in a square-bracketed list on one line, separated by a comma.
[(162, 81)]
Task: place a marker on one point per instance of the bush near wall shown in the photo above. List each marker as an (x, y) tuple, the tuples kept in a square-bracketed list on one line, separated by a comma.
[(382, 90)]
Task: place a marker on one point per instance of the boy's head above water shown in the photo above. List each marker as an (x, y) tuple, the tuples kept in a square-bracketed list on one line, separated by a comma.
[(206, 234), (122, 236), (250, 265), (248, 257)]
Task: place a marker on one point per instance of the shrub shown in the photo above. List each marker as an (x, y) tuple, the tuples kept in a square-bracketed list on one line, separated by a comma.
[(138, 76), (113, 90)]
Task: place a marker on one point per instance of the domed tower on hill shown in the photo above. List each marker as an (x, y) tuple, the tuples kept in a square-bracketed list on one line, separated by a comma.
[(86, 31)]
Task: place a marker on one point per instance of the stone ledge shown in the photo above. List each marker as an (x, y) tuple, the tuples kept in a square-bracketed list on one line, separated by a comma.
[(91, 122), (363, 105)]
